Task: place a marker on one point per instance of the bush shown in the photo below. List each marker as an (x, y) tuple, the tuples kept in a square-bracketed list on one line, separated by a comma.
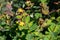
[(29, 20)]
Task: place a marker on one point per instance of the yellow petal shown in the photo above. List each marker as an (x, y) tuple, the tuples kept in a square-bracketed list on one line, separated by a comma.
[(21, 23), (20, 10)]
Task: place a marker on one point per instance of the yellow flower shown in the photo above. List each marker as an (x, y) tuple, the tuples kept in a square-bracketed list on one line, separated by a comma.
[(20, 10), (21, 23)]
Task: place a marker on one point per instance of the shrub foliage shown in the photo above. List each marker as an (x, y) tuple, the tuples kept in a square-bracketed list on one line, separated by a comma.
[(29, 20)]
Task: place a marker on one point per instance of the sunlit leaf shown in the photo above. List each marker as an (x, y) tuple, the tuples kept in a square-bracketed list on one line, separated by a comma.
[(37, 15)]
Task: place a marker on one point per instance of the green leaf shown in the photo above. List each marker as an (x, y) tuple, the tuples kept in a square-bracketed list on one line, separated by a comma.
[(2, 1), (2, 38), (30, 24), (52, 27), (33, 27), (29, 36), (18, 16), (15, 38), (43, 1), (53, 18), (46, 38), (57, 28), (27, 19), (49, 22), (3, 23), (16, 5), (7, 28), (14, 0), (37, 15), (23, 27), (58, 19)]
